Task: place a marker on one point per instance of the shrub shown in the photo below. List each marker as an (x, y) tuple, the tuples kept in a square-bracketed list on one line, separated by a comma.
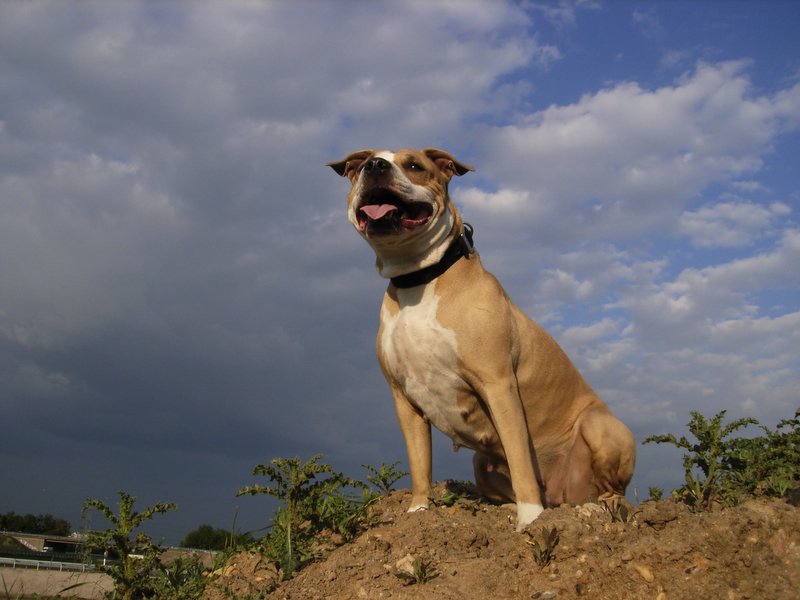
[(719, 469), (138, 556), (384, 477), (311, 505)]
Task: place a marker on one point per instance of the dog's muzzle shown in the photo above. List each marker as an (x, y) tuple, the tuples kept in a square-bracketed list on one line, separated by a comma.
[(381, 209)]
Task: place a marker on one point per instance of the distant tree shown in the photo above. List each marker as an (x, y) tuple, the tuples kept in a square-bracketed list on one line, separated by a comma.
[(138, 556), (206, 537), (30, 523)]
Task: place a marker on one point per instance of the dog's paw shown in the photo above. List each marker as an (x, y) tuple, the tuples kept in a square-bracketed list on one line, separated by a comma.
[(419, 506), (527, 513)]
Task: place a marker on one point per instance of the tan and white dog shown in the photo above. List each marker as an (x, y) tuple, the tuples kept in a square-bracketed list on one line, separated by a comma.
[(458, 353)]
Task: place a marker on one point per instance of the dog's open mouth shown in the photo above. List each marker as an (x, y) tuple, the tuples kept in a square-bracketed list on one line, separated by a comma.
[(383, 211)]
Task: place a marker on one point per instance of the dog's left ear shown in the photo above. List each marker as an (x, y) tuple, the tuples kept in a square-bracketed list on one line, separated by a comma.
[(446, 163), (348, 166)]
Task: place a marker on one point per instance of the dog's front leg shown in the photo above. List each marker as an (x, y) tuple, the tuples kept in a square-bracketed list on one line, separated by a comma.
[(508, 416), (417, 433)]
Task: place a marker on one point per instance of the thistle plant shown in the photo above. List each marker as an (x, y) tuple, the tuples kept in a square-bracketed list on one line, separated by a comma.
[(138, 555), (719, 469), (311, 505)]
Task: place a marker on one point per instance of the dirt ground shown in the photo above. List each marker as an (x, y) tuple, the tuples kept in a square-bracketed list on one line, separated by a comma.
[(471, 550), (32, 583)]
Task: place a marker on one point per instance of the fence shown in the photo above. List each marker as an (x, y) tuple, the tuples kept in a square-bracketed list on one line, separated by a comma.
[(29, 563)]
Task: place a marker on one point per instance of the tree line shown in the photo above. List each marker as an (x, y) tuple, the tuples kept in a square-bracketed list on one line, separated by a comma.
[(38, 524)]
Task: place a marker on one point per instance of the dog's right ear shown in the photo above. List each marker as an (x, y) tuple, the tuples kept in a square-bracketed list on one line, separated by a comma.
[(348, 167)]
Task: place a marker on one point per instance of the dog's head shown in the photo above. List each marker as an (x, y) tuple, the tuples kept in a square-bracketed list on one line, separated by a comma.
[(400, 204)]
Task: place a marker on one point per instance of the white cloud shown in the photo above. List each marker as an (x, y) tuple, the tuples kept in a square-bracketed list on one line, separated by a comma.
[(730, 223), (683, 311), (627, 159), (578, 336), (506, 201), (662, 345)]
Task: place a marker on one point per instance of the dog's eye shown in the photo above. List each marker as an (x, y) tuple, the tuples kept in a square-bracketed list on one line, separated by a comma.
[(414, 167)]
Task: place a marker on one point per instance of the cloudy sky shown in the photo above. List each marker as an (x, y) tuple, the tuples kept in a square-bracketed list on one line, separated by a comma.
[(182, 297)]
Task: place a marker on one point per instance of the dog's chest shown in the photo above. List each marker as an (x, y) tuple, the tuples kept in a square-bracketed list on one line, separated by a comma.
[(422, 357)]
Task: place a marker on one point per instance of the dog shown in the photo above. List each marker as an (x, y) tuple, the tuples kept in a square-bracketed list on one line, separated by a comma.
[(458, 354)]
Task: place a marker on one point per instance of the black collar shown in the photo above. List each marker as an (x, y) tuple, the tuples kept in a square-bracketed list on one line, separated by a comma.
[(461, 246)]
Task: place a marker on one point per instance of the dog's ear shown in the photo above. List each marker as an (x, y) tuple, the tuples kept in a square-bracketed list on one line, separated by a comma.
[(446, 163), (348, 167)]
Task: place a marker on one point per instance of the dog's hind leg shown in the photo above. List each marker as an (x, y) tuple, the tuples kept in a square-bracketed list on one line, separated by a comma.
[(613, 453), (493, 478)]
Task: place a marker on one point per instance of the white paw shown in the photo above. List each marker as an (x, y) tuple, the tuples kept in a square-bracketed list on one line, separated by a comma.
[(527, 513), (418, 507)]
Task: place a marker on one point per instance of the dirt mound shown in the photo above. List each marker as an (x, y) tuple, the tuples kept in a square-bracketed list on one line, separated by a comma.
[(470, 550)]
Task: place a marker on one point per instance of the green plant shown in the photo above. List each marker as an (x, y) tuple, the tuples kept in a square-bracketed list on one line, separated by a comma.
[(384, 477), (138, 556), (619, 512), (448, 499), (345, 514), (544, 553), (311, 505), (655, 493), (184, 579), (420, 571), (720, 469), (769, 464)]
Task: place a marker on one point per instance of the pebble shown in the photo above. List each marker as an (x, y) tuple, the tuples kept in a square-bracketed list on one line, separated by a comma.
[(626, 557), (405, 565), (645, 572)]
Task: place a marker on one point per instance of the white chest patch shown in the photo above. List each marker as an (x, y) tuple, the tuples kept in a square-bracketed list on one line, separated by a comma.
[(422, 356)]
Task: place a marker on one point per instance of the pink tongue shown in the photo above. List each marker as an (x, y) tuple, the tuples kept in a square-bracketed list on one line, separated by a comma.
[(377, 211)]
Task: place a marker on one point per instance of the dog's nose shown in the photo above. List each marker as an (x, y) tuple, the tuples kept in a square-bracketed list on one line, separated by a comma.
[(376, 166)]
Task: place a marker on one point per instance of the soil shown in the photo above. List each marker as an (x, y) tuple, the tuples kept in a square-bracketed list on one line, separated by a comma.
[(658, 550)]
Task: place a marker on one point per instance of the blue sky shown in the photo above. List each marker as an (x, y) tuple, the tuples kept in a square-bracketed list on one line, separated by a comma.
[(183, 298)]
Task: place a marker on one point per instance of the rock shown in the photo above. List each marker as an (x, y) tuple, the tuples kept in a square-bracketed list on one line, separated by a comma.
[(658, 514), (405, 565), (337, 539), (645, 572), (779, 543)]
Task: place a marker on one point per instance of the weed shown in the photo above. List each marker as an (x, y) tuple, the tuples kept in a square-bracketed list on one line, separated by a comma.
[(719, 469), (312, 505), (449, 499), (655, 493), (384, 477), (708, 464), (544, 553), (770, 464), (138, 556), (421, 572), (619, 512), (182, 580)]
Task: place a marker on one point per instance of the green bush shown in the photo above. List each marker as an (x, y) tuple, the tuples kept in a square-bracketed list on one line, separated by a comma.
[(138, 556), (184, 579), (720, 469), (312, 505)]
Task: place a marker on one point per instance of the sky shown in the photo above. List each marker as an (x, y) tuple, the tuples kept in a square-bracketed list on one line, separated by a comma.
[(182, 296)]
